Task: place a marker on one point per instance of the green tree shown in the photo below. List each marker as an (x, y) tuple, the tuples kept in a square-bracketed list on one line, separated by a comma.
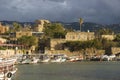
[(117, 40), (28, 41), (16, 26), (54, 30), (79, 45), (96, 43), (105, 31), (2, 48)]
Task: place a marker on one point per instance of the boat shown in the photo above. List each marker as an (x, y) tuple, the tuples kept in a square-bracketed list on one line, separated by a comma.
[(63, 59), (75, 58), (26, 61), (44, 58), (58, 58), (95, 59), (7, 68), (108, 58), (35, 60)]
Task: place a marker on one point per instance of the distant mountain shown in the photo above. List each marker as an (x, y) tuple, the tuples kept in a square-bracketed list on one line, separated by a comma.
[(92, 26), (114, 27), (11, 22), (7, 22), (75, 25), (86, 26)]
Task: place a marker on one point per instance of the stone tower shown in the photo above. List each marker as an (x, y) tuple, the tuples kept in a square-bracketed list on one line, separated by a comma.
[(39, 25)]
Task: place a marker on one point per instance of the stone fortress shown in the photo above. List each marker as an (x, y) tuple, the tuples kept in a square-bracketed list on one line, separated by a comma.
[(57, 45)]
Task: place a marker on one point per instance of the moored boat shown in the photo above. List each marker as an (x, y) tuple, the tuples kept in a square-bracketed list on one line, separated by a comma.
[(58, 58), (35, 60), (44, 58), (7, 68)]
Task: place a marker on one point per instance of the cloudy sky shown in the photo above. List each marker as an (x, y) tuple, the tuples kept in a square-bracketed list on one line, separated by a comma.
[(100, 11)]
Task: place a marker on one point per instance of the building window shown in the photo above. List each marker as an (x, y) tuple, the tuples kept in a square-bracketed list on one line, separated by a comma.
[(19, 33), (79, 37), (27, 34), (73, 37)]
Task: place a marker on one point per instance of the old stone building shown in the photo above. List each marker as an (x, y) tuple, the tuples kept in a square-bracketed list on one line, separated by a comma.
[(114, 50), (2, 40), (39, 26), (79, 36), (3, 29), (19, 34), (6, 53), (108, 37), (57, 44)]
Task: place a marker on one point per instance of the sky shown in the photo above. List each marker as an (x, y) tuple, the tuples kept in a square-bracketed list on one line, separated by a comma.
[(99, 11)]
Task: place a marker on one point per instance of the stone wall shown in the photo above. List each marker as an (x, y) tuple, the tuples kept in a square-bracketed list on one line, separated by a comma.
[(108, 37), (3, 29), (79, 36), (56, 44), (2, 40), (115, 50), (40, 25), (6, 53), (23, 33), (88, 52)]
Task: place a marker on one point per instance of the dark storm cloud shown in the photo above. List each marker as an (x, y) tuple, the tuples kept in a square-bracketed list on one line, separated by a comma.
[(56, 0), (100, 11)]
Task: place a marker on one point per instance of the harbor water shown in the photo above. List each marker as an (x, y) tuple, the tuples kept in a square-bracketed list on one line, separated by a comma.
[(69, 71)]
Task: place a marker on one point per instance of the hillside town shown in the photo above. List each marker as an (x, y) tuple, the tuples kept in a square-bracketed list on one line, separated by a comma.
[(59, 40), (46, 43)]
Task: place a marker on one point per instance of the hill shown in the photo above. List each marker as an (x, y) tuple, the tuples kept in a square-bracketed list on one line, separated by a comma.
[(92, 26), (75, 25)]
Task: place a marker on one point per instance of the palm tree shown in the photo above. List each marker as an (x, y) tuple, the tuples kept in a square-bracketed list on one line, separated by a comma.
[(81, 22)]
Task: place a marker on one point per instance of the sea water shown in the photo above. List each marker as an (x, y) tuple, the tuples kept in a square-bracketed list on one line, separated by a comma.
[(69, 71)]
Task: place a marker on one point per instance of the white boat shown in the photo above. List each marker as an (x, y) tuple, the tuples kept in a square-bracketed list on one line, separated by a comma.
[(63, 59), (35, 60), (44, 58), (56, 60), (75, 58), (108, 58), (60, 59), (7, 68), (26, 61)]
